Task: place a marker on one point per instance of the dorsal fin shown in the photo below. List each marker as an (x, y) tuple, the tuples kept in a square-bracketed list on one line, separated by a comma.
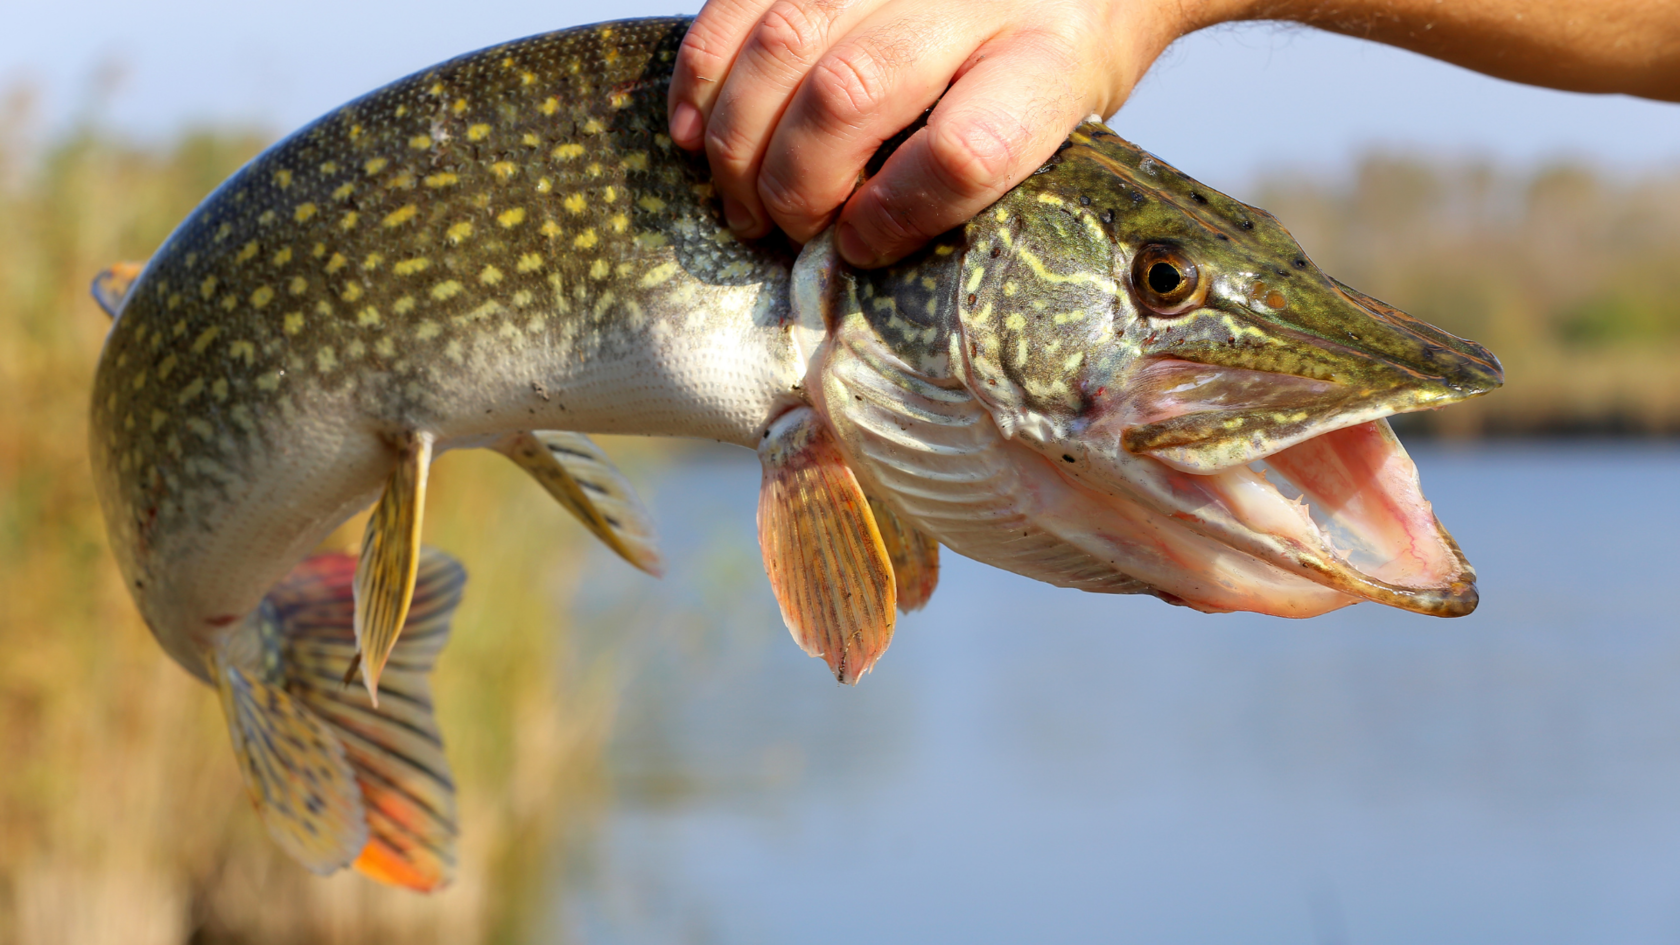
[(110, 288)]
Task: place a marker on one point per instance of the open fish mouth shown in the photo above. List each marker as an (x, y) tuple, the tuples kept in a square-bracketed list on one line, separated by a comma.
[(1304, 474)]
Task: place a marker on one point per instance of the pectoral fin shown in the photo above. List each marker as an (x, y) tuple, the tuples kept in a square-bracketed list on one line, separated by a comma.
[(822, 548), (295, 769), (390, 557), (914, 557), (394, 750), (583, 480), (110, 288)]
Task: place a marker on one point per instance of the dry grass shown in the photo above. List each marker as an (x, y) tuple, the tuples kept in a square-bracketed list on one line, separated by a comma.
[(122, 817)]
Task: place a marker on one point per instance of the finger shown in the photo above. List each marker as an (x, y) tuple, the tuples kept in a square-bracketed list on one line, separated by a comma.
[(786, 42), (703, 61), (1000, 120), (866, 87)]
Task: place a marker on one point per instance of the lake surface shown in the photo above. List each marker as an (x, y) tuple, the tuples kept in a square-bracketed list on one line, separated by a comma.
[(1029, 764)]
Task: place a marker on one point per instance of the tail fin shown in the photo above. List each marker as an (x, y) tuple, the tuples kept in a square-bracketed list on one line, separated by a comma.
[(110, 288), (393, 753)]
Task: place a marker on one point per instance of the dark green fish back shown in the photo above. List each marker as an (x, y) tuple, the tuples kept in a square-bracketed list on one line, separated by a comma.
[(522, 195)]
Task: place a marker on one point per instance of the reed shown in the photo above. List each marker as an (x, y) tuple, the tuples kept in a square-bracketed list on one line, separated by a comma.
[(122, 816)]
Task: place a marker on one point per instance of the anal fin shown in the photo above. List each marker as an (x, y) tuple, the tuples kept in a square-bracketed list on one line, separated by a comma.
[(822, 549), (395, 749), (295, 769), (586, 483), (390, 556), (914, 557)]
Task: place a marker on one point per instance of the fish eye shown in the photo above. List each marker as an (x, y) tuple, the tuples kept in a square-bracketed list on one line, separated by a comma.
[(1165, 280)]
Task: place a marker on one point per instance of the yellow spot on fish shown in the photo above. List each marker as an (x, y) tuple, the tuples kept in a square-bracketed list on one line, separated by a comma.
[(403, 181), (262, 296), (620, 223), (342, 193), (207, 288), (400, 215), (446, 290), (298, 285), (269, 380), (459, 106), (420, 142), (529, 140), (368, 317), (974, 277), (293, 322), (159, 418), (331, 167), (599, 269), (352, 292), (337, 262), (140, 380), (266, 217), (283, 178), (403, 305), (348, 221), (1001, 215), (409, 267), (522, 298), (544, 185), (651, 204), (441, 180), (283, 257), (453, 350), (550, 229), (576, 203), (460, 231), (436, 89), (527, 78), (594, 169), (609, 194), (229, 302), (659, 274), (372, 261), (204, 338), (586, 239), (246, 252), (530, 262), (566, 152), (593, 127), (374, 166), (490, 275), (550, 105), (223, 231), (326, 359), (219, 388), (1015, 321), (503, 169), (943, 249), (166, 367), (244, 350), (512, 217), (190, 391), (402, 110), (200, 427), (478, 132), (426, 331)]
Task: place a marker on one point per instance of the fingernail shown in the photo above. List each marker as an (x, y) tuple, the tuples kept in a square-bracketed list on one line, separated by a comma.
[(685, 125), (739, 217), (853, 248)]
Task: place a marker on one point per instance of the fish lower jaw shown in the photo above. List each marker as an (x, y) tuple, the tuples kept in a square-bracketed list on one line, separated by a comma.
[(1346, 510)]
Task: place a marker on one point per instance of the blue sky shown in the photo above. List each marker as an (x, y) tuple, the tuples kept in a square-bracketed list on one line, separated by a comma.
[(1223, 105)]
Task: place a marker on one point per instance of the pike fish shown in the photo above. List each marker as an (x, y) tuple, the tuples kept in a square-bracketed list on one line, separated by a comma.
[(1115, 379)]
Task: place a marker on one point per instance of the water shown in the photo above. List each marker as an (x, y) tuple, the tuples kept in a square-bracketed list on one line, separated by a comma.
[(1029, 764)]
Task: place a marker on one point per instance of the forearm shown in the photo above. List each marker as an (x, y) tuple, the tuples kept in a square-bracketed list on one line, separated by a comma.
[(1627, 46)]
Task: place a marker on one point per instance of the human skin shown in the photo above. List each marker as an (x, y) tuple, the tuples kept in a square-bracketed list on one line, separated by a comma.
[(790, 98)]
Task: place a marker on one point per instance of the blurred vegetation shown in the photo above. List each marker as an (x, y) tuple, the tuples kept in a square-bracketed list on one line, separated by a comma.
[(1572, 278), (122, 816)]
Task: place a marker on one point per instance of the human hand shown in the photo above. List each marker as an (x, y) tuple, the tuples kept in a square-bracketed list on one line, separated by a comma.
[(791, 98)]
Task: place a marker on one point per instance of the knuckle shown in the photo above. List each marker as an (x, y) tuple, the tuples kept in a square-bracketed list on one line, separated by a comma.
[(729, 145), (789, 34), (701, 53), (847, 87), (969, 156), (784, 200)]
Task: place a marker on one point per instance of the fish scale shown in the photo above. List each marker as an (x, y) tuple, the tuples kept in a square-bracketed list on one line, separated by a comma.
[(507, 251)]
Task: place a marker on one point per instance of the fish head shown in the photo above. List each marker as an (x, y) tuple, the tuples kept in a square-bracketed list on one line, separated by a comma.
[(1169, 346)]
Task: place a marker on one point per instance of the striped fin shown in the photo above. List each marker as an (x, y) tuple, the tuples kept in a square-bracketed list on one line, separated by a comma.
[(110, 288), (390, 555), (395, 750), (914, 557), (295, 769), (822, 548), (582, 479)]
